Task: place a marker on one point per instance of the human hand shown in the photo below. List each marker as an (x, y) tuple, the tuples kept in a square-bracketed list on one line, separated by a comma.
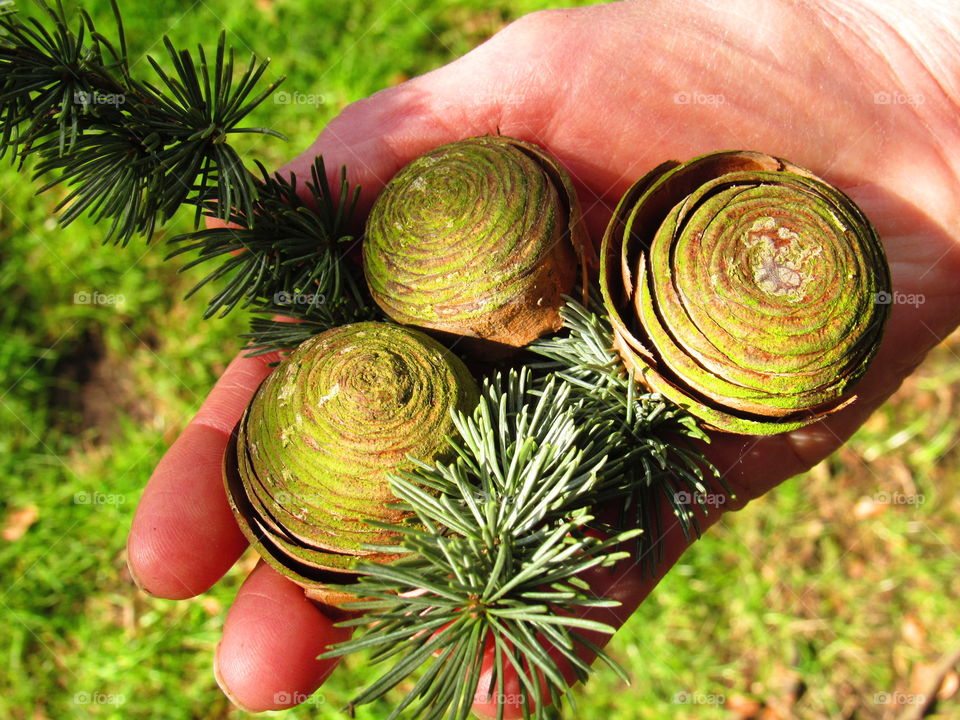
[(604, 88)]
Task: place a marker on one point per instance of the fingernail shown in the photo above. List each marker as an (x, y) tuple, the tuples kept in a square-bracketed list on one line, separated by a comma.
[(133, 576), (223, 686)]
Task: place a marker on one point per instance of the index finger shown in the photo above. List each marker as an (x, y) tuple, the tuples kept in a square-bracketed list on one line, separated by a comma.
[(184, 536)]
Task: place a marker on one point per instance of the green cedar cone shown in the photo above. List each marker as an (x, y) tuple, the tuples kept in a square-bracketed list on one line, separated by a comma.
[(310, 459), (745, 289), (477, 238)]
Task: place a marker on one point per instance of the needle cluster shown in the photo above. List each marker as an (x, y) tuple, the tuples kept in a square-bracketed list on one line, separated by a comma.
[(291, 257), (493, 578), (131, 152)]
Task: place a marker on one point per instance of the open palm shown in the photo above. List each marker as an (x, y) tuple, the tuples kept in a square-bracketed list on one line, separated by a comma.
[(612, 91)]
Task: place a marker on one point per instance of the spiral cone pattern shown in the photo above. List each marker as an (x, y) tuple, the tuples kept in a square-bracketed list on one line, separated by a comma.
[(325, 430), (745, 289), (476, 238)]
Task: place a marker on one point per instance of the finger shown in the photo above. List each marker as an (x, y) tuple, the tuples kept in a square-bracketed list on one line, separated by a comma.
[(184, 536), (267, 659), (375, 137), (215, 223)]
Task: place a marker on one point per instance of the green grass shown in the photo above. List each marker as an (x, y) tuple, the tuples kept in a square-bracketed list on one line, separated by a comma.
[(817, 585)]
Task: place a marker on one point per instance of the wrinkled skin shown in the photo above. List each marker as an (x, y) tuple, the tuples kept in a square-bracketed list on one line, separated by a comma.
[(597, 87)]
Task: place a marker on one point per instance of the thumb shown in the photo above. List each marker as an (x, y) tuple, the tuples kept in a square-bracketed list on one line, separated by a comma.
[(478, 94)]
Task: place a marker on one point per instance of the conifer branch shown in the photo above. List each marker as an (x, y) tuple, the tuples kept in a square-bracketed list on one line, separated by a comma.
[(493, 564), (664, 464), (131, 152), (292, 257), (503, 532)]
